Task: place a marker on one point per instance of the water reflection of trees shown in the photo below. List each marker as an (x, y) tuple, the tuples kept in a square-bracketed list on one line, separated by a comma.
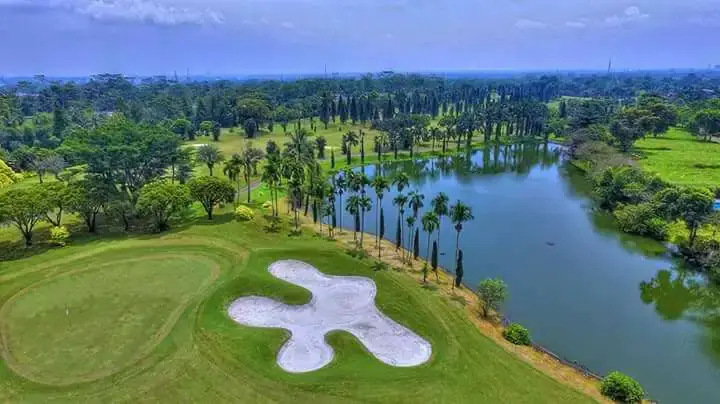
[(496, 159), (678, 294)]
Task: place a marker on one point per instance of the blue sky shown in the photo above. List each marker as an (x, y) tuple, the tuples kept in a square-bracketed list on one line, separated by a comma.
[(78, 37)]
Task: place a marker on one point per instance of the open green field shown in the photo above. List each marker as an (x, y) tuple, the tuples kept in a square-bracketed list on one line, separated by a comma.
[(680, 158), (233, 141), (143, 319)]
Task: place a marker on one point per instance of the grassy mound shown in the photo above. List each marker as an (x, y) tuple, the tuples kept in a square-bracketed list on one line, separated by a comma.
[(147, 321)]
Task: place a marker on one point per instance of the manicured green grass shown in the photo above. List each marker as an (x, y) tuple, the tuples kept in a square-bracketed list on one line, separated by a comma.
[(680, 158), (143, 318)]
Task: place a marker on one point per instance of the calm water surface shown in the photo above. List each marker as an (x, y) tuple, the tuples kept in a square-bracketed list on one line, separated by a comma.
[(585, 291)]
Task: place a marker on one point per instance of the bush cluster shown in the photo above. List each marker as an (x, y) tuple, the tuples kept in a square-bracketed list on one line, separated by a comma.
[(59, 235), (622, 388), (517, 334), (642, 219), (244, 213)]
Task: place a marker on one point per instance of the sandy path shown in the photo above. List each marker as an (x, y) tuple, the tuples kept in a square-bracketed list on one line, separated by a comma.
[(345, 303)]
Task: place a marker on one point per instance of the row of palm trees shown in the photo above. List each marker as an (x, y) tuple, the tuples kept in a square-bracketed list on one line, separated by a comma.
[(358, 204), (297, 170)]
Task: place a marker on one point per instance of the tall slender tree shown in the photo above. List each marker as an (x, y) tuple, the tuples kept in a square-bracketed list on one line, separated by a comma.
[(460, 213), (430, 223), (352, 206), (415, 201), (351, 139), (440, 207), (380, 184), (400, 201), (233, 169)]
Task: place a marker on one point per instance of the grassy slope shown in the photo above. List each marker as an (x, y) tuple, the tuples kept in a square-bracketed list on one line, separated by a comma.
[(676, 155), (161, 332)]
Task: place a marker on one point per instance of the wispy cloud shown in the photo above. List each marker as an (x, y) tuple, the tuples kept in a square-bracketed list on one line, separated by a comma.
[(575, 24), (287, 25), (529, 24), (148, 11), (631, 14)]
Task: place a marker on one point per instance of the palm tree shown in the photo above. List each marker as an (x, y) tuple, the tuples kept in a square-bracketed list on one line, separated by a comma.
[(381, 141), (272, 176), (430, 222), (416, 203), (351, 139), (353, 207), (441, 209), (459, 214), (340, 187), (299, 147), (357, 182), (401, 181), (295, 182), (411, 225), (380, 184), (400, 200), (210, 155), (320, 144), (365, 205), (249, 160), (232, 170)]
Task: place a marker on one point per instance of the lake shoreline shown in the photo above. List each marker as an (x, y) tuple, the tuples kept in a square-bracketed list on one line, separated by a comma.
[(540, 358)]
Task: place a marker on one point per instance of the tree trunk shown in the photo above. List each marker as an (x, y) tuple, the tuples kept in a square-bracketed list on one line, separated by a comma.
[(248, 189), (27, 235), (210, 212), (362, 226), (457, 245)]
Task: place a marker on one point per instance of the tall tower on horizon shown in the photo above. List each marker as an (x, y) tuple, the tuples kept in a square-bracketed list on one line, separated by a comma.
[(610, 66)]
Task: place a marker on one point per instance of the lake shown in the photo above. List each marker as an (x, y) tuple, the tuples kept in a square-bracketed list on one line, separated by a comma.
[(587, 292)]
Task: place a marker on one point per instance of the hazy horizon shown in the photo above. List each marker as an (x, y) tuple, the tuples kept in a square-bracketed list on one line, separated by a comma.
[(260, 37)]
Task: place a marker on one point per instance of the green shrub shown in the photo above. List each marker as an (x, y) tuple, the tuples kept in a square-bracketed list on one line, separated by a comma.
[(59, 235), (517, 334), (358, 253), (267, 205), (244, 213), (622, 388), (642, 219)]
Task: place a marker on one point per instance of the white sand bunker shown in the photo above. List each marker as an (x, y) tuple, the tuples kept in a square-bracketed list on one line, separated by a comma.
[(345, 303)]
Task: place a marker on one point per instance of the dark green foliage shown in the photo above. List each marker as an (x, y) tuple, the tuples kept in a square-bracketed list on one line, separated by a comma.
[(210, 191), (642, 219), (382, 223), (251, 128), (321, 143), (459, 271), (362, 148), (24, 208), (492, 292), (622, 388), (332, 158), (398, 234), (162, 201), (416, 244), (517, 334)]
